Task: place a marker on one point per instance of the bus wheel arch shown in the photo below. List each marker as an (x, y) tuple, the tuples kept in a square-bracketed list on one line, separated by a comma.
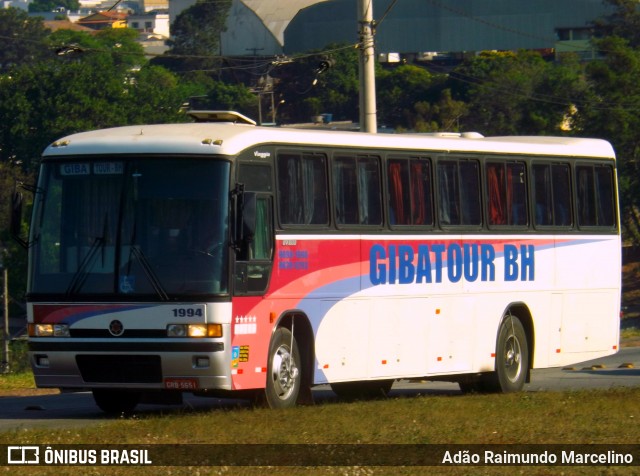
[(292, 333), (514, 350), (526, 319)]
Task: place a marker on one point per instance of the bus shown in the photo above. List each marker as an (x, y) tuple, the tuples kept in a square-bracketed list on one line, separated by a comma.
[(220, 258)]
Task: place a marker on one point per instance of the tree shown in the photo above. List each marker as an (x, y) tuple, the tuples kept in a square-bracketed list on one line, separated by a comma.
[(515, 93), (155, 95), (16, 259), (320, 82), (195, 42), (624, 22), (403, 94), (96, 81), (443, 115), (610, 110), (93, 81), (22, 39)]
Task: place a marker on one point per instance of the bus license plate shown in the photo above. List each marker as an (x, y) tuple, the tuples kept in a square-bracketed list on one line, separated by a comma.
[(181, 383)]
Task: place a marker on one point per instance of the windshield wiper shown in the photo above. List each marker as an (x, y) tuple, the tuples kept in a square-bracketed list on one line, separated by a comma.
[(81, 274), (149, 273), (144, 262)]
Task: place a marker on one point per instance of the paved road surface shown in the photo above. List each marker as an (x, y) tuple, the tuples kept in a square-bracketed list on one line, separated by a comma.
[(78, 409)]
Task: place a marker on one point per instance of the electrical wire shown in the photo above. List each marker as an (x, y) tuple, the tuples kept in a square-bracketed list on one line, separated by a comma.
[(259, 68), (496, 26), (387, 11)]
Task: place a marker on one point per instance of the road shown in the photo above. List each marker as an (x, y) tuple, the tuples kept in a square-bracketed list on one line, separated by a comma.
[(68, 410)]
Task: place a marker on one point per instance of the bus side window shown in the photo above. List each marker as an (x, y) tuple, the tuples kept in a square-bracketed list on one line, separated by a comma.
[(254, 256), (459, 193), (470, 192), (358, 194), (261, 247), (561, 195), (552, 195), (399, 198), (606, 199), (517, 194), (410, 201), (542, 195), (595, 196), (507, 197), (448, 199), (302, 189), (253, 266)]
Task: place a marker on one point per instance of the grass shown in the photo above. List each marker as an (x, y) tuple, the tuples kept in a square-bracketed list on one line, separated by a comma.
[(587, 416), (581, 417), (17, 381), (629, 333)]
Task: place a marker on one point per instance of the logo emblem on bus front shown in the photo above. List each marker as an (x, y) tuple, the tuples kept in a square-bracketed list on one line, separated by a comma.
[(116, 328)]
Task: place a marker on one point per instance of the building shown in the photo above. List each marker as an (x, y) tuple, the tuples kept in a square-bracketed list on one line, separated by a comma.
[(153, 22), (21, 4), (416, 28), (104, 20), (254, 27), (55, 25), (153, 28), (151, 5)]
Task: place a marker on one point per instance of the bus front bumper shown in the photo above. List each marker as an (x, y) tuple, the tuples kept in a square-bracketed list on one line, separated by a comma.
[(169, 364)]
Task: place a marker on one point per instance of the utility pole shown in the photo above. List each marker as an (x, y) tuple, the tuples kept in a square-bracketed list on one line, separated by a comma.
[(368, 115), (5, 305)]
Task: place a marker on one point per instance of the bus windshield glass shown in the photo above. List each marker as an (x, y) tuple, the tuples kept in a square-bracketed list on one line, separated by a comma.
[(150, 227)]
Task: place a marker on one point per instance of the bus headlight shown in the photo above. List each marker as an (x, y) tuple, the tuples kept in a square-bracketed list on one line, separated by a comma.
[(49, 330), (194, 330)]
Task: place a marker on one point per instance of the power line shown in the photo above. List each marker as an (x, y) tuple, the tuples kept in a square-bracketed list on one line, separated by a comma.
[(387, 11), (498, 26), (266, 65)]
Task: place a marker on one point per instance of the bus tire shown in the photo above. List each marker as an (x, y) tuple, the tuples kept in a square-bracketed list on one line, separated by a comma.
[(284, 374), (116, 402), (512, 357)]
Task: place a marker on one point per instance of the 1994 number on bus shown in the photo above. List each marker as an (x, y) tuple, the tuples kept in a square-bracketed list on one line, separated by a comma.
[(187, 312)]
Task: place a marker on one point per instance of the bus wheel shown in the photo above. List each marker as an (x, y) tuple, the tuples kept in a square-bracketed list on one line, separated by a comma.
[(283, 371), (512, 356), (116, 402)]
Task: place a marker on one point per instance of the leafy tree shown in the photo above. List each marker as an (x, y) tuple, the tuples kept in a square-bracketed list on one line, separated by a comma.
[(229, 96), (623, 22), (155, 95), (22, 39), (217, 95), (195, 35), (98, 81), (15, 259), (318, 83), (443, 115), (78, 91), (400, 91), (610, 110), (515, 93)]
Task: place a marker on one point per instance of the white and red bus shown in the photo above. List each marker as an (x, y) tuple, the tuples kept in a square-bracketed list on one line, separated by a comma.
[(224, 258)]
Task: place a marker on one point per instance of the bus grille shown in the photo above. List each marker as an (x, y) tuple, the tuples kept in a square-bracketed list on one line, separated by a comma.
[(120, 368)]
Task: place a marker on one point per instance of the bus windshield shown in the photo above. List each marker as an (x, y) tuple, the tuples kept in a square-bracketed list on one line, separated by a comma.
[(155, 227)]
